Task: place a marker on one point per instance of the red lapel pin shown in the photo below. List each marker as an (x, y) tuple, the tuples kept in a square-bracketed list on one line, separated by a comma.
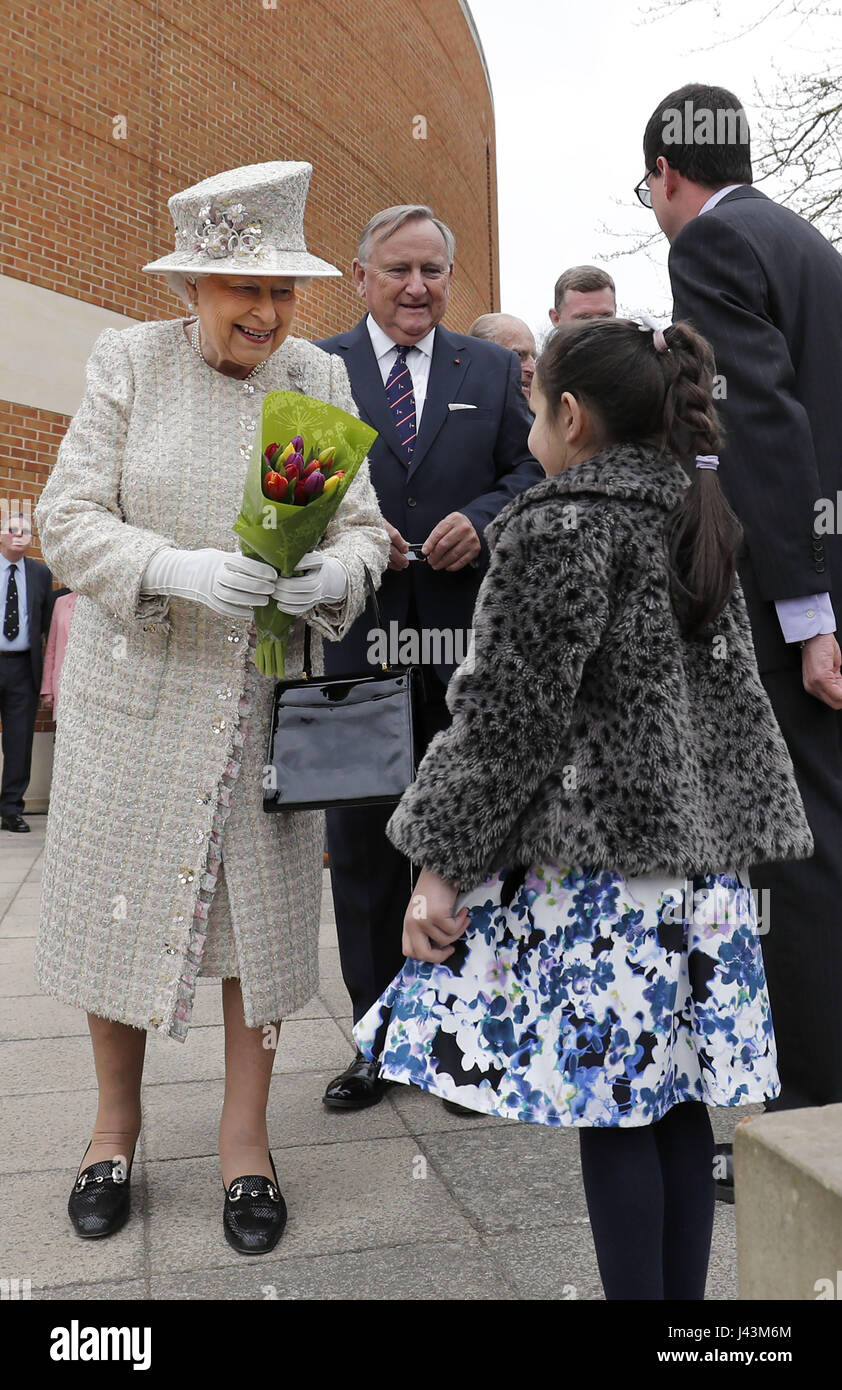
[(457, 361)]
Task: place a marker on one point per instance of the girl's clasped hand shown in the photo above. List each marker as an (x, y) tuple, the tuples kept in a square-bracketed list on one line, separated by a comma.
[(429, 927)]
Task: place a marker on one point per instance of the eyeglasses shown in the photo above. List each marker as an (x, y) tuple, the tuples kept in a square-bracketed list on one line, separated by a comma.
[(643, 191)]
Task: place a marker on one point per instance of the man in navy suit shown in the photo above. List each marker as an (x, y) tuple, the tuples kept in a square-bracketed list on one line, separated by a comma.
[(451, 452), (765, 288), (26, 606)]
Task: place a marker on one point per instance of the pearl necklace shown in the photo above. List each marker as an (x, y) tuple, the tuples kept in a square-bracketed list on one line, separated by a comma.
[(195, 344)]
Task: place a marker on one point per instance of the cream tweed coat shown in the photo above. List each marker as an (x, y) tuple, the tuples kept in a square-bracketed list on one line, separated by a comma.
[(156, 456)]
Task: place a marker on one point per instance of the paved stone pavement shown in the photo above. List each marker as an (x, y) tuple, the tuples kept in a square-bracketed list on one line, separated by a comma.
[(400, 1201)]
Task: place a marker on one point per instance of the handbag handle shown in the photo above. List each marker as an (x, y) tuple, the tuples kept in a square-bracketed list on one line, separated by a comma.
[(372, 594)]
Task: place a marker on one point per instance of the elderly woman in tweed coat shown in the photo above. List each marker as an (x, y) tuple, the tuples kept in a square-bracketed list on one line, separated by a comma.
[(165, 720)]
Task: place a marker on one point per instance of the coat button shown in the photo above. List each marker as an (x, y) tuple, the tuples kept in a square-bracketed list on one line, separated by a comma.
[(820, 568), (410, 502)]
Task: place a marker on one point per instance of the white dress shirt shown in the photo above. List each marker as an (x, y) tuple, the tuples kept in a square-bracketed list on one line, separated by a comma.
[(800, 618), (718, 196), (21, 642), (418, 360)]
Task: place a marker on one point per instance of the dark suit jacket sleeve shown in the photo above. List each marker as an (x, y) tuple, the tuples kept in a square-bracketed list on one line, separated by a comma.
[(514, 466), (768, 469)]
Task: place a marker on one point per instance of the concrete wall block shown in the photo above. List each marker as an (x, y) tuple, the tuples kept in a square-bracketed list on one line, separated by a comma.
[(788, 1189)]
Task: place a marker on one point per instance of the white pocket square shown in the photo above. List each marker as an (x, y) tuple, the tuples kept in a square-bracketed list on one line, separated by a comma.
[(458, 405)]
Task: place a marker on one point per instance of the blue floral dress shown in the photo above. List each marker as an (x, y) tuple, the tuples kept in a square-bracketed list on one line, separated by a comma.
[(579, 998)]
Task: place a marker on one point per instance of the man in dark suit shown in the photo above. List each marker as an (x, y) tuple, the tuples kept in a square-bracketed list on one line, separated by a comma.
[(765, 288), (451, 452), (26, 605)]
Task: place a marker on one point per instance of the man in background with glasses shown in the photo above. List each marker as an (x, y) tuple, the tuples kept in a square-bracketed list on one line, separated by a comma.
[(512, 333)]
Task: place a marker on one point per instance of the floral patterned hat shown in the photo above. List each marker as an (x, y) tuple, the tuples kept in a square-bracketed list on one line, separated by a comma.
[(248, 219)]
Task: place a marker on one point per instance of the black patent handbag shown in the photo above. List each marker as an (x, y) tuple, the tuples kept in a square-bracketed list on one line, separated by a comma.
[(341, 740)]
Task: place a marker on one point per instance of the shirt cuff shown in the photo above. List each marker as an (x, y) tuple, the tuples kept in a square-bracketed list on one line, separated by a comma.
[(803, 618)]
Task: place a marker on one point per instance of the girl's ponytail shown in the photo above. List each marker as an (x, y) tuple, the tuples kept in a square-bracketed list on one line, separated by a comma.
[(703, 534)]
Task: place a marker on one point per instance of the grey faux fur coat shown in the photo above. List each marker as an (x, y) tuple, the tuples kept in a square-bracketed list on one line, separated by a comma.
[(587, 731)]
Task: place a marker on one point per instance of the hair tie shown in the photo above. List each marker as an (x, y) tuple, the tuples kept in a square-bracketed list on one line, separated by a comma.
[(659, 340), (707, 461)]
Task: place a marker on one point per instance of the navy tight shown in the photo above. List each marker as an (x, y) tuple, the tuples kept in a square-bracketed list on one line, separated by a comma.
[(650, 1194)]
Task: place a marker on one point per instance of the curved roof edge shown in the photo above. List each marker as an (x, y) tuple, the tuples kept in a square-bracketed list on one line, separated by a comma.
[(471, 23)]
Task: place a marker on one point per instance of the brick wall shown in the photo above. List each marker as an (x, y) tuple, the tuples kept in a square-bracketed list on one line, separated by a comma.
[(210, 86), (226, 82)]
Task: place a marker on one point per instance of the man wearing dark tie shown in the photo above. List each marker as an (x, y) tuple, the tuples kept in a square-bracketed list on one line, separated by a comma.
[(451, 452), (26, 602), (765, 288)]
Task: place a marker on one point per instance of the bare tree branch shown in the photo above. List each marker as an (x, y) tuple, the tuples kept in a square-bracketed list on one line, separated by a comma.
[(799, 145)]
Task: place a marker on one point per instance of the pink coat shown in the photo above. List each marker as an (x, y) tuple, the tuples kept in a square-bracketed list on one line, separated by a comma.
[(56, 643)]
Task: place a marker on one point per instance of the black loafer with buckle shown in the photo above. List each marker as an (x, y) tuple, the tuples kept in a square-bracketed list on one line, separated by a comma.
[(100, 1202), (255, 1214)]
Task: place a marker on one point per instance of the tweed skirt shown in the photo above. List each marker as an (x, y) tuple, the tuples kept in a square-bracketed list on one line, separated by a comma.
[(220, 960)]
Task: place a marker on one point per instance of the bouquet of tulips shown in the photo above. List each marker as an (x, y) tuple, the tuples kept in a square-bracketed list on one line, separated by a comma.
[(303, 462), (288, 478)]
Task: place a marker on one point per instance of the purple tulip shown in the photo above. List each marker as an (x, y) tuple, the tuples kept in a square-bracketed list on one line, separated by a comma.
[(313, 485), (297, 459), (297, 444)]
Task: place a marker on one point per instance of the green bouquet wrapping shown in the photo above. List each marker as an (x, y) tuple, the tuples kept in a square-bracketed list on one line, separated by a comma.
[(279, 532)]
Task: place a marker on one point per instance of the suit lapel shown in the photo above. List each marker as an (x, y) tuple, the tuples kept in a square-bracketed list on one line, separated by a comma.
[(30, 588), (447, 369), (367, 383)]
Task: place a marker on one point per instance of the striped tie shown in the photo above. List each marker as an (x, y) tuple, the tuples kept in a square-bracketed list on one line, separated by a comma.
[(401, 398)]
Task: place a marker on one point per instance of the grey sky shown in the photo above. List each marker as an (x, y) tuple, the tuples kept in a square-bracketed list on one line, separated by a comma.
[(574, 84)]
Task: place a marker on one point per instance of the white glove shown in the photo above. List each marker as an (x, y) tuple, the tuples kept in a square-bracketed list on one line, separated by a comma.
[(326, 581), (223, 580)]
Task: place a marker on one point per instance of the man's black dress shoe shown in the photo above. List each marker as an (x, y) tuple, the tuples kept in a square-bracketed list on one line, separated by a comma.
[(255, 1214), (454, 1108), (14, 823), (724, 1172), (100, 1202), (359, 1086)]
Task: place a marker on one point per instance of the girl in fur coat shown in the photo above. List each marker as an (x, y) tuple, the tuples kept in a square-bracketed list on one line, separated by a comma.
[(583, 946)]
